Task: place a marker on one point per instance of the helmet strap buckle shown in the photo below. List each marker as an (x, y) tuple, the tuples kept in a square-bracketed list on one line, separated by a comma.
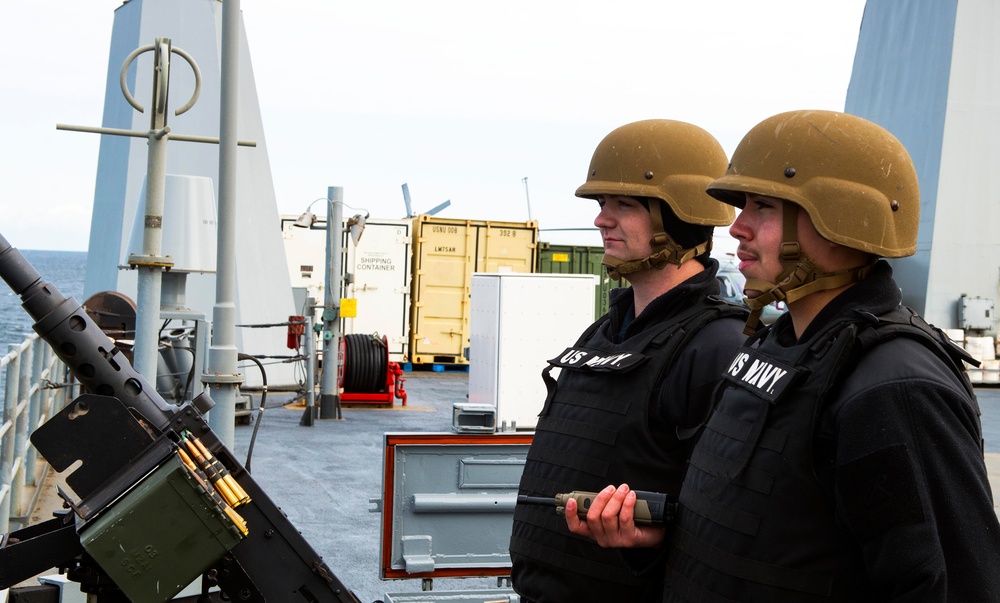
[(790, 251), (660, 240)]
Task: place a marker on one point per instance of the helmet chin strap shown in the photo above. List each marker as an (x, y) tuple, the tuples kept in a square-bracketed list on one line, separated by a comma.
[(665, 250), (800, 276)]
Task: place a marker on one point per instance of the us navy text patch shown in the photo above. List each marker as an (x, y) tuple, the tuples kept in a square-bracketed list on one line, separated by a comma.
[(759, 374), (581, 358)]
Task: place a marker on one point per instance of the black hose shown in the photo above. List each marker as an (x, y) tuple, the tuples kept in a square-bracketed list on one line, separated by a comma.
[(378, 372), (349, 364), (366, 367), (260, 411), (365, 363), (380, 359)]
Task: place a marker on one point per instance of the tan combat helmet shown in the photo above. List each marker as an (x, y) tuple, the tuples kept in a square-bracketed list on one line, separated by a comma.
[(854, 179), (663, 159)]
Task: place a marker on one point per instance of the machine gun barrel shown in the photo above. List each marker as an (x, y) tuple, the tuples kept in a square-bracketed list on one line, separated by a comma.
[(273, 563), (79, 342)]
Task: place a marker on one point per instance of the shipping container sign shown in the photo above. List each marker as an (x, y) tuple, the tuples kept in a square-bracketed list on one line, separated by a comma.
[(446, 252)]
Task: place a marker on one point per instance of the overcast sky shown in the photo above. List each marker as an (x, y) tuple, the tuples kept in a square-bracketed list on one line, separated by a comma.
[(461, 100)]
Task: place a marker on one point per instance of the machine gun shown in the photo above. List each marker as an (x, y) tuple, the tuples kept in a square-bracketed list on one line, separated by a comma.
[(145, 522)]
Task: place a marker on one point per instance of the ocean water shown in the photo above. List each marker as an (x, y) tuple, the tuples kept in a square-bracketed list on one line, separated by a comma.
[(64, 269)]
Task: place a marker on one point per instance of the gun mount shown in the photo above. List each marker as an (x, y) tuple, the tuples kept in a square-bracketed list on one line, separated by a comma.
[(127, 441)]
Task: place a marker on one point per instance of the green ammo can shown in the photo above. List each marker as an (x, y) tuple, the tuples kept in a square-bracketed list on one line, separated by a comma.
[(161, 535)]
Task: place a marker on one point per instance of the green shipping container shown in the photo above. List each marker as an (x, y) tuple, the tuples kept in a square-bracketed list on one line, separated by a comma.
[(579, 259)]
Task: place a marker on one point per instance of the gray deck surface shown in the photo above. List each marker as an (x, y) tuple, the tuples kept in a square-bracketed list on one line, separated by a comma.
[(323, 476)]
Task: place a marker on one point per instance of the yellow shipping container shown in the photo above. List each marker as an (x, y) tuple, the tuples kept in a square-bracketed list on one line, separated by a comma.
[(445, 254)]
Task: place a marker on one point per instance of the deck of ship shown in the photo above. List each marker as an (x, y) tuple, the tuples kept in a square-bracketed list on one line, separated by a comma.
[(323, 476)]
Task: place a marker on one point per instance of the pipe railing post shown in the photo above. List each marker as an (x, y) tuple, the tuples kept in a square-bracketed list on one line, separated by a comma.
[(21, 470), (31, 386), (9, 428)]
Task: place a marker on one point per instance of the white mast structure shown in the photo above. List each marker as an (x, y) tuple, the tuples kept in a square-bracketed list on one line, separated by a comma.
[(926, 70), (260, 289)]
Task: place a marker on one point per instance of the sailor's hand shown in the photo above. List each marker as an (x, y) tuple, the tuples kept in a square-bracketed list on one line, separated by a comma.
[(610, 521)]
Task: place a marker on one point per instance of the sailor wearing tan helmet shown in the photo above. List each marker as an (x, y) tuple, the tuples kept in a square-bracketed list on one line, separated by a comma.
[(844, 461), (634, 389)]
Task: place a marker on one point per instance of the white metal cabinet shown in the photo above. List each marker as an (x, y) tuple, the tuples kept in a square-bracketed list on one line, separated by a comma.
[(518, 322)]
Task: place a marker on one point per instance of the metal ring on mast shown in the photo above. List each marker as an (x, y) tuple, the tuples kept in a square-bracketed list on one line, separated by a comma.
[(184, 55), (197, 80)]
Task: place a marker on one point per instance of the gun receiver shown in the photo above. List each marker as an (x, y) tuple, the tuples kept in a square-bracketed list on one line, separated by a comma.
[(122, 431), (651, 508)]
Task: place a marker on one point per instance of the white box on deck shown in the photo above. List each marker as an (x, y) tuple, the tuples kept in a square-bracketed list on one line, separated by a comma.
[(517, 323)]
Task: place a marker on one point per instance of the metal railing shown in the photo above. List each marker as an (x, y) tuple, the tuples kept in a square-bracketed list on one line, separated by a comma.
[(35, 388)]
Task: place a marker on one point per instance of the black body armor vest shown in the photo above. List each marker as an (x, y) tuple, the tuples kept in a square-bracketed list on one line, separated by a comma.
[(755, 523), (593, 431)]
